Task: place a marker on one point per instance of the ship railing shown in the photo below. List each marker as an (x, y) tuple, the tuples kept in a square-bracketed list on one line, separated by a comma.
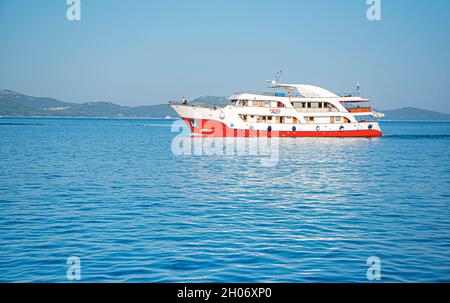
[(278, 94), (347, 95), (196, 104), (318, 110), (296, 95)]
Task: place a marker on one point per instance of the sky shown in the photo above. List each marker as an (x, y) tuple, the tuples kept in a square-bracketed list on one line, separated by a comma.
[(143, 52)]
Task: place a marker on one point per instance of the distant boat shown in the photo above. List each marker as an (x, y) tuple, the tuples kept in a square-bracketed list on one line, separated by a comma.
[(167, 117), (292, 110)]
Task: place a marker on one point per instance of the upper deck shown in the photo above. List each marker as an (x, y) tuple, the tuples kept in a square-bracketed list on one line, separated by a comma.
[(299, 91), (297, 95)]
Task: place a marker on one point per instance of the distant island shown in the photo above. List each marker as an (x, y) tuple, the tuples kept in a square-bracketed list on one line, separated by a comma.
[(16, 104)]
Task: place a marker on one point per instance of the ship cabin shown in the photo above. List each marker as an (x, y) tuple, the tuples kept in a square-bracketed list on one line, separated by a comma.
[(313, 105)]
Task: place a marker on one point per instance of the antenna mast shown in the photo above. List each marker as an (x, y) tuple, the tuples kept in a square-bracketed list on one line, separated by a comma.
[(278, 77), (276, 81)]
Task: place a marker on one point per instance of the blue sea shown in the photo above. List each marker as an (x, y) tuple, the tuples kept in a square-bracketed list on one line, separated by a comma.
[(112, 193)]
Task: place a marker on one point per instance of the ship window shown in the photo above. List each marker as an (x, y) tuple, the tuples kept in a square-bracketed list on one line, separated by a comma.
[(337, 119), (254, 103), (311, 119), (261, 119)]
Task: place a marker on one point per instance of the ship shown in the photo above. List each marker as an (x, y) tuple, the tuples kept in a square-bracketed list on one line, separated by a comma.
[(289, 110)]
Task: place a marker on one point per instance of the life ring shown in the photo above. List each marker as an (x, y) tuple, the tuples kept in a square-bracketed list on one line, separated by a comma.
[(269, 128), (318, 128), (341, 128), (370, 126), (294, 128)]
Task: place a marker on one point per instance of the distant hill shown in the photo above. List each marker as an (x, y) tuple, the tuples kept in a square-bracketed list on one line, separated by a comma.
[(412, 113), (16, 104)]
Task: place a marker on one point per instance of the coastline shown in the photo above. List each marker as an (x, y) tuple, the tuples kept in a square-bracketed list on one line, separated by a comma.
[(174, 118), (84, 117)]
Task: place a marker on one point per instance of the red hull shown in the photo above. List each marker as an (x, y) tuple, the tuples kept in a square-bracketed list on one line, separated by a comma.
[(212, 128)]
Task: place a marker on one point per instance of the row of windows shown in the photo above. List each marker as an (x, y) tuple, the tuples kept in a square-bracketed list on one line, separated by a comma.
[(292, 120), (268, 119), (332, 119), (260, 103), (313, 105)]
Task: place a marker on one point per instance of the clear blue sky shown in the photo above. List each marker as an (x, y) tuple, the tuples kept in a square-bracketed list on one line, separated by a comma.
[(140, 52)]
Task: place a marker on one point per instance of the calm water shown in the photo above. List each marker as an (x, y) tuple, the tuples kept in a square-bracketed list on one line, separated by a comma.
[(112, 193)]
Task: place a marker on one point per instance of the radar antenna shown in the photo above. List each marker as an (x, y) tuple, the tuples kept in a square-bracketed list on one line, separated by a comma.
[(276, 82)]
